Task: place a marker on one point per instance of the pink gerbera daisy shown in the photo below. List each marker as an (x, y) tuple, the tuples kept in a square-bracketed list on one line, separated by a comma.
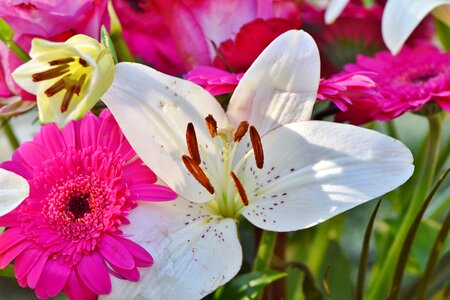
[(67, 234), (406, 82)]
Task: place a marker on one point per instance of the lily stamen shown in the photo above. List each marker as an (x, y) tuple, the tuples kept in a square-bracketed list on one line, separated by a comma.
[(240, 189), (241, 131), (198, 173), (192, 144), (212, 125), (257, 147), (61, 61), (50, 74)]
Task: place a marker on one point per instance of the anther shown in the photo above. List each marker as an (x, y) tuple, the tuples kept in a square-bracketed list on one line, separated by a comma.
[(192, 144), (212, 125), (83, 62), (61, 61), (79, 84), (52, 73), (240, 188), (56, 87), (198, 173), (257, 147), (241, 131), (67, 98)]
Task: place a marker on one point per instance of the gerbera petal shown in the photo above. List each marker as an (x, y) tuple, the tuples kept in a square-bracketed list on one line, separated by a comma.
[(13, 190), (116, 253), (397, 27), (321, 170), (89, 264), (53, 279), (162, 105), (195, 252), (281, 85)]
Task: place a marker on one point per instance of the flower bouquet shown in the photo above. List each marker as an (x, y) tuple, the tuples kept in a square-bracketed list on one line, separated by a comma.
[(177, 149)]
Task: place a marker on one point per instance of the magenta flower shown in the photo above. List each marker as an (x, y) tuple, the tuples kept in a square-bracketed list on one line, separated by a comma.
[(175, 36), (405, 82), (214, 80), (356, 31), (67, 234), (341, 89)]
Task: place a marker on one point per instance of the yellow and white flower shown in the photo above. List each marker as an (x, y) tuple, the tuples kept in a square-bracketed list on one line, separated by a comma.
[(68, 78)]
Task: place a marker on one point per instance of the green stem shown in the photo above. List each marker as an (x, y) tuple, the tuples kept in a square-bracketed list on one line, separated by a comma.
[(382, 277), (434, 255), (13, 141), (121, 47), (265, 250), (17, 50)]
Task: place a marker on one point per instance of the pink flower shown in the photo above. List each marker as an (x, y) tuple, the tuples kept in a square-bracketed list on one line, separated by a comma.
[(356, 31), (175, 36), (214, 80), (50, 18), (237, 55), (84, 181), (405, 82), (55, 20), (344, 89)]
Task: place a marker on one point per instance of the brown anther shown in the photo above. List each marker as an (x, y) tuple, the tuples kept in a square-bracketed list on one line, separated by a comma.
[(56, 87), (257, 147), (240, 188), (198, 173), (52, 73), (61, 61), (67, 98), (83, 62), (212, 125), (192, 144), (79, 84), (241, 131)]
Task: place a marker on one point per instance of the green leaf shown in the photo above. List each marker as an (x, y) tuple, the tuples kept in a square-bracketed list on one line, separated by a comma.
[(365, 254), (8, 271), (106, 40), (403, 258), (6, 32), (248, 286)]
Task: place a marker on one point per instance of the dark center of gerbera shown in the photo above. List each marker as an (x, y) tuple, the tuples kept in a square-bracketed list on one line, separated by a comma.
[(79, 205), (423, 78)]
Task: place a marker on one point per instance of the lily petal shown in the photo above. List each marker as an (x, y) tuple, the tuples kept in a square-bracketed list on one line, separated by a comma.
[(194, 251), (281, 85), (13, 190), (397, 27), (321, 170), (153, 110), (334, 9)]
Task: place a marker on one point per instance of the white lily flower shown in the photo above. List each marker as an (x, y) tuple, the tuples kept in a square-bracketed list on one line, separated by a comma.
[(280, 173), (13, 190), (401, 17), (68, 78)]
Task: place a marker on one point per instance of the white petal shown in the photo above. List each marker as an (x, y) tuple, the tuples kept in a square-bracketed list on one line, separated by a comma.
[(334, 9), (13, 190), (153, 110), (281, 85), (194, 252), (315, 170), (401, 17)]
